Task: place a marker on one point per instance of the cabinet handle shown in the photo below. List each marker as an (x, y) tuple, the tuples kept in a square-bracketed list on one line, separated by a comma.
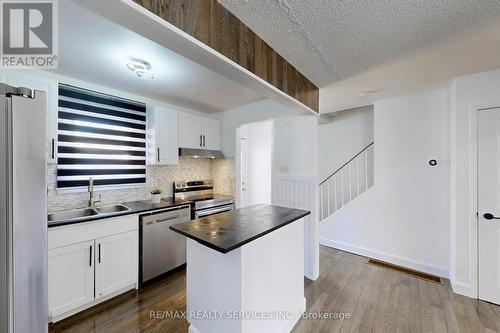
[(90, 257), (204, 140), (99, 255), (201, 140), (53, 143), (158, 154)]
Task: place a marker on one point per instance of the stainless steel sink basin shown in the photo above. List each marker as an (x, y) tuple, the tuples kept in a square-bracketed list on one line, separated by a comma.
[(112, 209), (82, 214), (75, 214)]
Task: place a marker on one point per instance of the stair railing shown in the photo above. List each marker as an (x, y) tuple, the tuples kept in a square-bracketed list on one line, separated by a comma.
[(352, 179)]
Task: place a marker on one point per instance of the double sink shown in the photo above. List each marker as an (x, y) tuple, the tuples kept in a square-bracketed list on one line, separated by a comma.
[(84, 213)]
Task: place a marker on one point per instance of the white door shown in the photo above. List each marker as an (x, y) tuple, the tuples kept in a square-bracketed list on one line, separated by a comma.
[(71, 277), (167, 136), (211, 132), (116, 263), (489, 204), (190, 135)]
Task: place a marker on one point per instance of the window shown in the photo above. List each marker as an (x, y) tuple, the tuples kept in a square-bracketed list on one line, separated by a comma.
[(99, 136)]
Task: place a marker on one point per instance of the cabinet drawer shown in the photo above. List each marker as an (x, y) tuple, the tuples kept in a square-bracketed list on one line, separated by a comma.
[(76, 233)]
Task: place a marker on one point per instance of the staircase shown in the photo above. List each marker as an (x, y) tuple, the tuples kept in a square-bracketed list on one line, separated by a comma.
[(347, 183)]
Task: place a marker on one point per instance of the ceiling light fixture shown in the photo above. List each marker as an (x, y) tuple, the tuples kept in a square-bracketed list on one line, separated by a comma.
[(142, 68)]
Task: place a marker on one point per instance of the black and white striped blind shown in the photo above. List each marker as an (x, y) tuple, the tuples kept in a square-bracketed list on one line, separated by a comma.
[(99, 136)]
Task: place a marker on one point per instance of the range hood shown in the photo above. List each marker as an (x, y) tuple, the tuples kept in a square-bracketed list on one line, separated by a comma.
[(201, 153)]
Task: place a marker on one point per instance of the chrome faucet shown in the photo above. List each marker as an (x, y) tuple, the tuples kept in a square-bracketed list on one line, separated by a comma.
[(92, 202)]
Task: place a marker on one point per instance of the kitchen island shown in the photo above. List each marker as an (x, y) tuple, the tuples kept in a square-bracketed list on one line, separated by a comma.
[(245, 270)]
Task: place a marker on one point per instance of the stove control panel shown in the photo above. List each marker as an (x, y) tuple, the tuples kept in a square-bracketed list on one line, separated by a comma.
[(194, 185)]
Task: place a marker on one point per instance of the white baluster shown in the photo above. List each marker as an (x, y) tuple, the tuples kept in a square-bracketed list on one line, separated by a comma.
[(328, 193), (366, 169)]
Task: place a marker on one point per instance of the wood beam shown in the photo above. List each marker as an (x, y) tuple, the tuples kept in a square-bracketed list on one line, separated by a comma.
[(215, 26)]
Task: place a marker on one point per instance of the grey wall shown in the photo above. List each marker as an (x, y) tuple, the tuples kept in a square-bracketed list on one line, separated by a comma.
[(343, 137)]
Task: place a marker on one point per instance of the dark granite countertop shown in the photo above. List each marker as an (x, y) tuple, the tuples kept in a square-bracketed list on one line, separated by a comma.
[(136, 207), (228, 231)]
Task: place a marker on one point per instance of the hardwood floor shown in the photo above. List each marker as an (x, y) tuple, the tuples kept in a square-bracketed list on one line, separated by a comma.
[(383, 300), (377, 300)]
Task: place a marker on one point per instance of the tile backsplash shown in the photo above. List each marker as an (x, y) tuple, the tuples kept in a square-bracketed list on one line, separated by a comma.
[(222, 171), (223, 175)]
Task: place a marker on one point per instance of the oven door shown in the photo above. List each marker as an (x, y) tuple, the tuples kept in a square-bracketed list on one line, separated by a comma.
[(212, 211)]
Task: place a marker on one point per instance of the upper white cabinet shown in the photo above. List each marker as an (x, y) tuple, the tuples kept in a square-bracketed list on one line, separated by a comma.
[(211, 129), (198, 132), (189, 131), (163, 136), (17, 79)]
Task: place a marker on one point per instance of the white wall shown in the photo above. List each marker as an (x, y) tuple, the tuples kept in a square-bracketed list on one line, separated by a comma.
[(253, 112), (295, 180), (295, 149), (404, 218), (468, 94), (343, 137)]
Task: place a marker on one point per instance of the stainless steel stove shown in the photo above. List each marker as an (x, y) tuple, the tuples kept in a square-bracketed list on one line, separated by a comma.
[(201, 192)]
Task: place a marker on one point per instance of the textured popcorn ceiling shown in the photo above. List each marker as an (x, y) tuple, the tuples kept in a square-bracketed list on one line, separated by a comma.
[(333, 40)]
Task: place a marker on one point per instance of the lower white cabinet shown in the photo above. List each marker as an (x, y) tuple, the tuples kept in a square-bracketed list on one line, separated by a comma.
[(115, 265), (91, 262), (71, 277)]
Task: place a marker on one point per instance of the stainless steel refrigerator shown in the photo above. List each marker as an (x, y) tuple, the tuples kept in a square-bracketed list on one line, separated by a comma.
[(23, 210)]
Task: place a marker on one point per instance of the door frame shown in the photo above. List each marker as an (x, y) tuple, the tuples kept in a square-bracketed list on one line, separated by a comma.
[(474, 195)]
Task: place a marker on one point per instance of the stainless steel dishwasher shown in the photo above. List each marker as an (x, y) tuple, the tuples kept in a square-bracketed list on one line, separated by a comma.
[(161, 249)]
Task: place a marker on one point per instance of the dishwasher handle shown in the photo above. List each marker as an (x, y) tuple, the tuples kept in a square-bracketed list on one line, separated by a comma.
[(158, 216), (168, 219)]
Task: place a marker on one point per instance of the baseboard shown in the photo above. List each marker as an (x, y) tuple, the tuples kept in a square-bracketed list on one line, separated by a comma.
[(393, 259), (463, 289), (287, 326), (290, 324), (55, 319)]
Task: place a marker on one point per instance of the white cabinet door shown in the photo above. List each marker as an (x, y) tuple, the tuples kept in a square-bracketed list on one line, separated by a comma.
[(71, 277), (190, 135), (16, 79), (211, 134), (116, 262), (162, 136), (167, 136)]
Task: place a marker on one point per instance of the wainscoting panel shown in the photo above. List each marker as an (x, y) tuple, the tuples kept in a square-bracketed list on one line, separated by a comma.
[(301, 193)]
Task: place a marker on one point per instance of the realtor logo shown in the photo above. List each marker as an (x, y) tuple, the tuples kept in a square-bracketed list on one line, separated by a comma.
[(28, 37)]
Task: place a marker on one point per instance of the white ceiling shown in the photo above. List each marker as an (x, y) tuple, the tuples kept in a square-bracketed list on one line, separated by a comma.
[(393, 47), (96, 50)]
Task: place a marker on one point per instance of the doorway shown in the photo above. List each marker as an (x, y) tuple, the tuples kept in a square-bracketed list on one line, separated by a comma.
[(488, 180), (254, 163)]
